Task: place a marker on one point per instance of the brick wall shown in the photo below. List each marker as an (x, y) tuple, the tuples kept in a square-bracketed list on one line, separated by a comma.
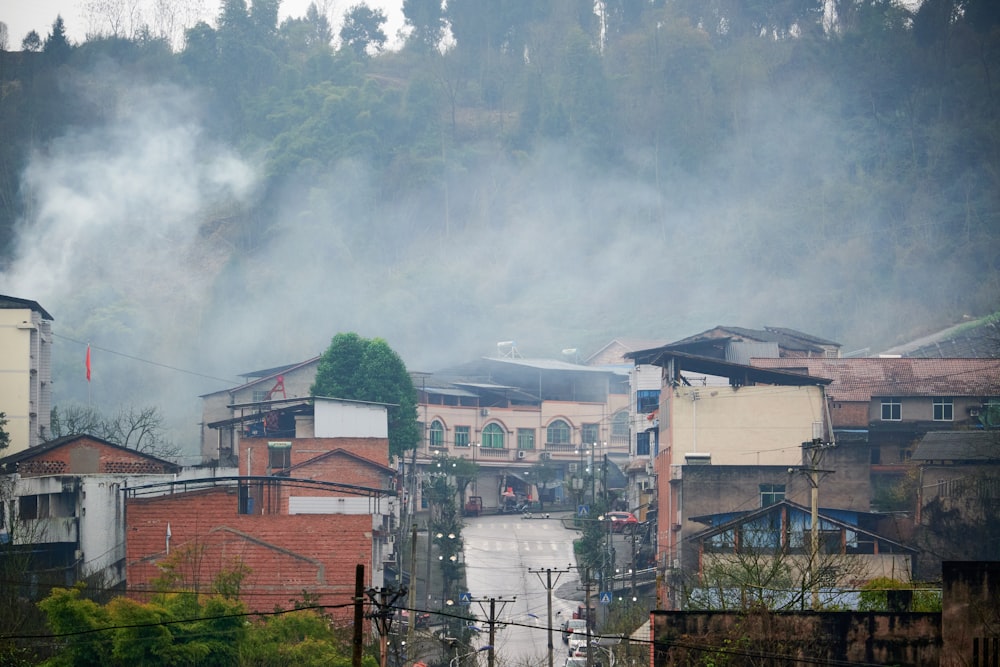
[(286, 555), (86, 456), (684, 638), (375, 450)]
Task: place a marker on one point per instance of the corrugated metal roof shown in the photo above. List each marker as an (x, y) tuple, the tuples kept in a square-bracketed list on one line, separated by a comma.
[(861, 379), (971, 339), (555, 365)]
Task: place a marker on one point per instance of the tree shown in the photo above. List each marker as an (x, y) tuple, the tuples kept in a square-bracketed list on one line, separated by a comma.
[(140, 429), (360, 369), (18, 613), (426, 17), (32, 42), (57, 46), (362, 31), (544, 474), (464, 472)]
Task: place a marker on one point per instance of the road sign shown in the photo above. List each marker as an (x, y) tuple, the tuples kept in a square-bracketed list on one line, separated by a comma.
[(605, 597), (582, 510), (464, 598)]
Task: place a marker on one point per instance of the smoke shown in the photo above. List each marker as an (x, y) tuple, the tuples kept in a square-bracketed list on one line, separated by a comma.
[(140, 244)]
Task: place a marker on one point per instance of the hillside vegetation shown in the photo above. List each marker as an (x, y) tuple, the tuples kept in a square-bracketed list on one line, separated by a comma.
[(837, 171)]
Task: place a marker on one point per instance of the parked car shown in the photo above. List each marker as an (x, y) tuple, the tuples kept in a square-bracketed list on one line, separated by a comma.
[(578, 645), (573, 625), (622, 522)]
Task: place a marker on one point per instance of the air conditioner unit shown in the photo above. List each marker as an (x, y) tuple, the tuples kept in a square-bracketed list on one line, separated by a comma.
[(485, 412), (521, 454)]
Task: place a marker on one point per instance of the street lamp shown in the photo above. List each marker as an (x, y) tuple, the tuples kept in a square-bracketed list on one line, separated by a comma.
[(454, 661)]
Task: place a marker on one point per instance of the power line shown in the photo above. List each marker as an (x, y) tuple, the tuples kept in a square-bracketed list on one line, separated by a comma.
[(228, 381)]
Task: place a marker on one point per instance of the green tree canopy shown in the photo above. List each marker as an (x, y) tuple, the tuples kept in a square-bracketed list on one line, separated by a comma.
[(362, 30), (363, 369)]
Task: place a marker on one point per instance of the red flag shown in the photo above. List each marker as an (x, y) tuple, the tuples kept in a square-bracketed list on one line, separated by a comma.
[(88, 363)]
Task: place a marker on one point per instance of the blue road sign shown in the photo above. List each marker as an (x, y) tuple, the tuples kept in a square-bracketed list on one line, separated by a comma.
[(582, 510), (464, 598), (605, 597)]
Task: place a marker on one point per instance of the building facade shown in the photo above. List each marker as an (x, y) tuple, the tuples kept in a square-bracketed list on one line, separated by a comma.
[(26, 366)]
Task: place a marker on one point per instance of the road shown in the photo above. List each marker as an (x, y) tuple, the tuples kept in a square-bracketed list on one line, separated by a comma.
[(502, 555)]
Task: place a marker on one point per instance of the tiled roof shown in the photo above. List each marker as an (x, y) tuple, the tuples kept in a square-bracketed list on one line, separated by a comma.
[(861, 379), (958, 446)]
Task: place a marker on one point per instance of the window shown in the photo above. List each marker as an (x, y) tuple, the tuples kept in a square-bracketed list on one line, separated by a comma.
[(771, 494), (892, 410), (436, 434), (647, 400), (525, 438), (642, 443), (944, 409), (29, 508), (461, 436), (557, 433), (619, 424), (590, 433), (279, 455), (260, 395), (493, 436)]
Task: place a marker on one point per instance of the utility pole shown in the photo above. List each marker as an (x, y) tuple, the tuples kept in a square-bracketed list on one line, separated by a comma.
[(384, 600), (493, 622), (412, 600), (815, 449), (549, 585), (359, 615), (589, 616)]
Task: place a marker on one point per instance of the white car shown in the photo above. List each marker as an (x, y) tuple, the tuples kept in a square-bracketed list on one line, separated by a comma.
[(574, 626), (577, 646)]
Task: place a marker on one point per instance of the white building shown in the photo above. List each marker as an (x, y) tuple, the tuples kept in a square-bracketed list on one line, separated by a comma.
[(25, 371)]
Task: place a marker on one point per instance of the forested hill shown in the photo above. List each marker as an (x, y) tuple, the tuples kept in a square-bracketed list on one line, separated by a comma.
[(543, 173)]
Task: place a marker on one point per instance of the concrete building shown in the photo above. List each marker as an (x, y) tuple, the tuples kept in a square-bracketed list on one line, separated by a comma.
[(880, 408), (510, 414), (713, 412), (67, 509), (261, 391), (26, 371)]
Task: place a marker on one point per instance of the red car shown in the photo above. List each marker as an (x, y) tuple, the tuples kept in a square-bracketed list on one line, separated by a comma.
[(622, 522)]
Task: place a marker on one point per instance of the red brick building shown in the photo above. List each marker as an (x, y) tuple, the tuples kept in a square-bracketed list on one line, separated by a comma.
[(300, 517)]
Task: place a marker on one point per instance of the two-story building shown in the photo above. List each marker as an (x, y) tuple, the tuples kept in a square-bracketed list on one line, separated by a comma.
[(64, 505), (509, 414), (882, 407)]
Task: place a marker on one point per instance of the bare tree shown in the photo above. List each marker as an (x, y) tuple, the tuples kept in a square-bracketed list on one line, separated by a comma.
[(140, 429)]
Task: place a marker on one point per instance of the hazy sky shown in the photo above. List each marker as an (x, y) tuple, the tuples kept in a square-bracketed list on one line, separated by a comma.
[(22, 16)]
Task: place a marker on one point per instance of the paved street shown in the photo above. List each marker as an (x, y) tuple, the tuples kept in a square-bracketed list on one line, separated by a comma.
[(501, 554)]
